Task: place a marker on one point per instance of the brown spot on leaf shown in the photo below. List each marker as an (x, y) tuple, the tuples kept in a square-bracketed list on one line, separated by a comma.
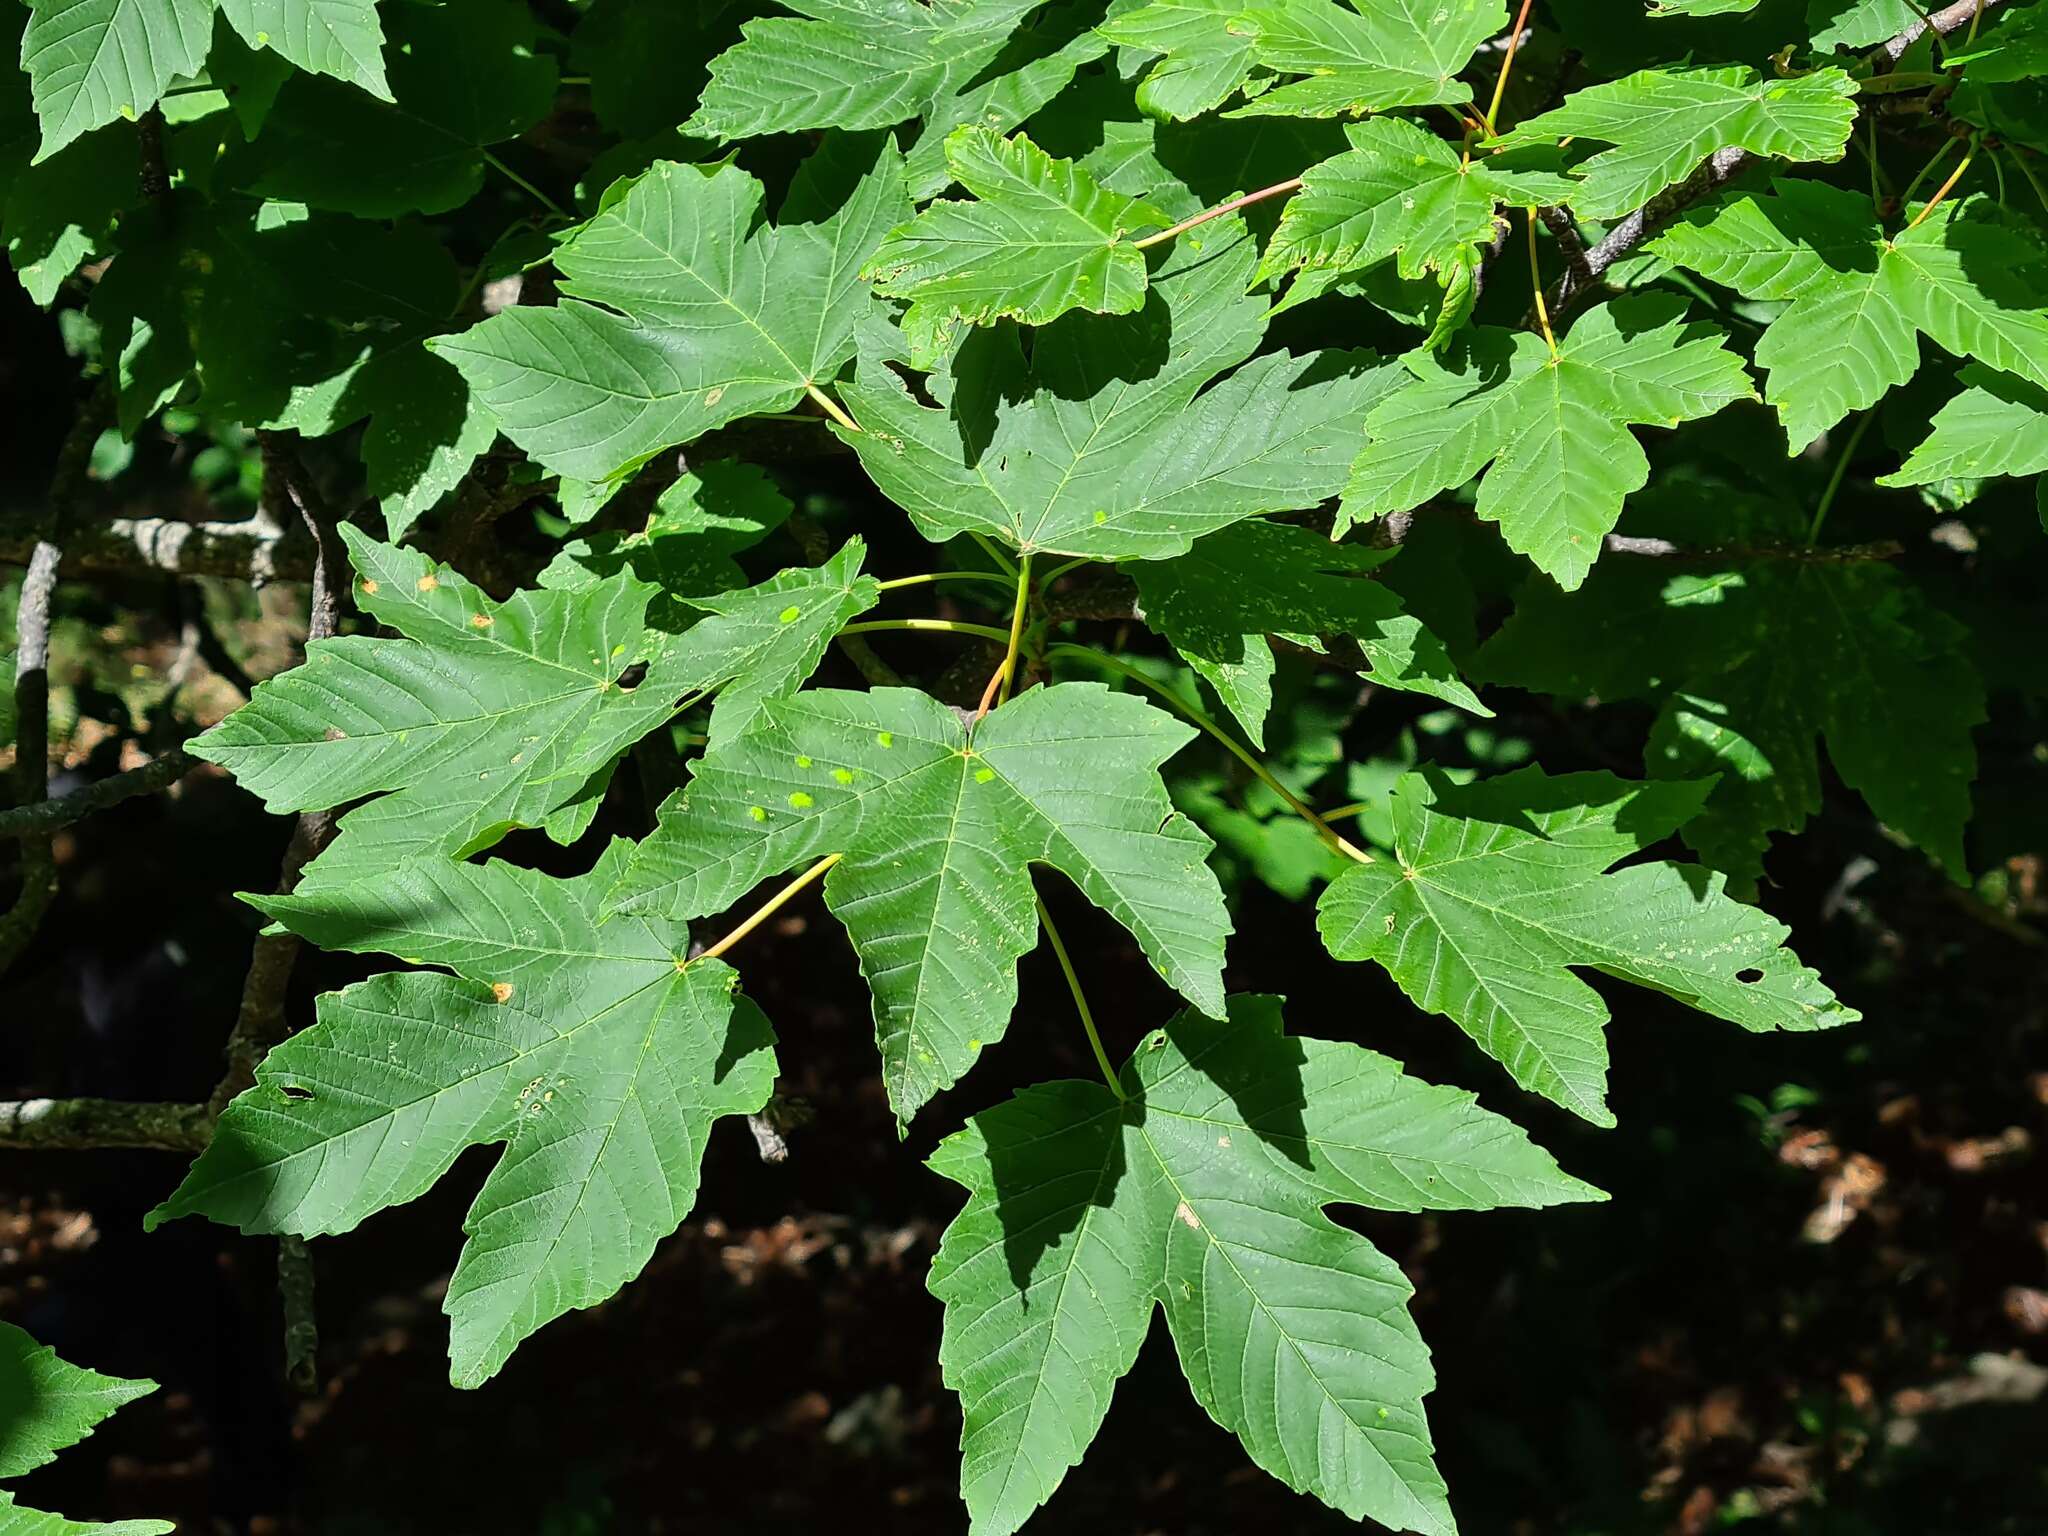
[(502, 991)]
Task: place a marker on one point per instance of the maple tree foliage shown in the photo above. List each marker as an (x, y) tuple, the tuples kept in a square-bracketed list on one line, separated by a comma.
[(1204, 383)]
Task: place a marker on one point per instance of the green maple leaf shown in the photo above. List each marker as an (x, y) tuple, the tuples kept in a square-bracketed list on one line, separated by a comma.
[(1203, 59), (91, 62), (938, 829), (1498, 889), (488, 716), (583, 1042), (1701, 7), (1400, 193), (1554, 429), (1041, 238), (1199, 1187), (1217, 604), (283, 315), (1372, 58), (678, 315), (463, 77), (18, 1521), (700, 522), (1859, 299), (338, 38), (1102, 446), (58, 214), (852, 64), (1858, 23), (1753, 664), (48, 1405), (426, 430), (1665, 123), (1998, 425), (2013, 47)]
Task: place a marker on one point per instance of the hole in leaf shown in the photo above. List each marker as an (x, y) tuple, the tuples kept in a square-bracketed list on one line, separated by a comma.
[(630, 679), (1749, 975), (294, 1091)]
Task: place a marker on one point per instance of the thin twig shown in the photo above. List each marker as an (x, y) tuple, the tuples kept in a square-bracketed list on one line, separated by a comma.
[(51, 1125), (38, 865), (46, 816), (149, 142)]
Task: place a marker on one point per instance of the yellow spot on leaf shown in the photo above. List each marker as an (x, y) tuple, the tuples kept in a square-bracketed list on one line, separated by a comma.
[(885, 738), (758, 812), (790, 614), (1188, 1216), (502, 991), (802, 761), (843, 775), (369, 586), (983, 775), (800, 800), (481, 621), (428, 582)]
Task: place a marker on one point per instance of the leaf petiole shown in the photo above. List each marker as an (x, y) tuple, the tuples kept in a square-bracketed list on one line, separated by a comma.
[(899, 582), (527, 187), (770, 907), (1265, 775), (1292, 184), (831, 407), (936, 626), (1059, 950), (998, 688)]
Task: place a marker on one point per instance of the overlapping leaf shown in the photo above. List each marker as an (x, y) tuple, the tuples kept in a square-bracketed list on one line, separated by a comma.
[(938, 829), (1204, 58), (1968, 278), (1499, 889), (488, 716), (1199, 1187), (93, 62), (582, 1042), (1041, 238), (1112, 440), (1218, 603), (678, 315), (48, 1405), (463, 77), (1998, 425), (852, 64), (1371, 57), (1751, 663), (1555, 429), (1400, 193), (283, 316), (1665, 123)]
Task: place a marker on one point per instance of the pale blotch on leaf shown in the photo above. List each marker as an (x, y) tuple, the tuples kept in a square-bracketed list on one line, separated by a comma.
[(800, 800), (428, 582), (502, 991)]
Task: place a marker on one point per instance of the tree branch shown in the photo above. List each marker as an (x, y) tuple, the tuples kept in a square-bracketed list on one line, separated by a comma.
[(44, 817), (32, 678), (1950, 18), (256, 550), (50, 1125)]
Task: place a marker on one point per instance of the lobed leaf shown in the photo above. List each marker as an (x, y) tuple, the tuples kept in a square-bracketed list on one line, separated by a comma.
[(589, 1045), (1198, 1186), (1500, 888), (938, 828)]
